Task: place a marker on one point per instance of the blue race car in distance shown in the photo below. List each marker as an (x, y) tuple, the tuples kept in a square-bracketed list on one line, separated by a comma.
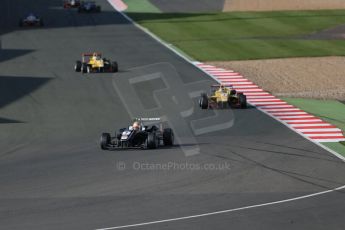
[(89, 7), (31, 20)]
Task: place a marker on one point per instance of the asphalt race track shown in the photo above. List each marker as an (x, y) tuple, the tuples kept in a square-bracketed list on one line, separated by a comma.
[(53, 174)]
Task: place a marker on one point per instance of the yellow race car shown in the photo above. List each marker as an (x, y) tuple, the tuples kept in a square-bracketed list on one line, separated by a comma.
[(94, 63), (222, 97)]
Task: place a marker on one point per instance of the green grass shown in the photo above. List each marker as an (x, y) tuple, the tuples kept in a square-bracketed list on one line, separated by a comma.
[(328, 110), (143, 6), (245, 35), (337, 147)]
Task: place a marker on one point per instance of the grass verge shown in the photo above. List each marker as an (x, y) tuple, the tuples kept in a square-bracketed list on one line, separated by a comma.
[(140, 6), (328, 110), (243, 35)]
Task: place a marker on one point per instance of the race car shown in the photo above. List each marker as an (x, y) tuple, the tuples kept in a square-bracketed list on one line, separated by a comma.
[(89, 7), (139, 136), (94, 63), (31, 20), (222, 97), (71, 4)]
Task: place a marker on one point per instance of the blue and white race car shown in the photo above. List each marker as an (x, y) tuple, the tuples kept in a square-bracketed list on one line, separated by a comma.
[(89, 7), (139, 136), (31, 20)]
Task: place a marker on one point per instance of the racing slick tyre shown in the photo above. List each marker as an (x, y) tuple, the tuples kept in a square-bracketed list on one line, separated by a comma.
[(77, 66), (105, 140), (84, 68), (151, 141), (41, 23), (242, 100), (203, 101), (168, 137), (114, 67), (88, 69)]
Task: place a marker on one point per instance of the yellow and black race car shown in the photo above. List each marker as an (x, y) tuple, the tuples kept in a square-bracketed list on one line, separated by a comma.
[(222, 97), (94, 63)]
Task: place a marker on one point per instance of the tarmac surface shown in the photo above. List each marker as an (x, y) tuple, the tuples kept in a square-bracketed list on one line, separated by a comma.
[(53, 174)]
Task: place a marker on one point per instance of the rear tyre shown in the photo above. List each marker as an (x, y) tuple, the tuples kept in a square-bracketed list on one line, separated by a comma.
[(151, 141), (168, 137), (98, 9), (41, 23), (105, 140), (242, 99), (114, 67), (20, 23), (203, 101), (84, 68), (77, 66)]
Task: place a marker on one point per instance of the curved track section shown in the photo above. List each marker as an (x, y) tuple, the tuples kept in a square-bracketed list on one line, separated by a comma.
[(54, 176)]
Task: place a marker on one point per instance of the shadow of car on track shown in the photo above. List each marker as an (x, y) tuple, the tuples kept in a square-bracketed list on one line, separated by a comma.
[(8, 121), (7, 54), (175, 146), (54, 16), (15, 88)]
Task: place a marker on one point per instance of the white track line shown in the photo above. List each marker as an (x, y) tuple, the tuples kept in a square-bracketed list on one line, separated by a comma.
[(224, 211)]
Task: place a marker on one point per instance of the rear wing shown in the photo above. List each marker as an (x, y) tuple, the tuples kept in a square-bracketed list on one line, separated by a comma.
[(225, 85), (150, 121), (91, 54)]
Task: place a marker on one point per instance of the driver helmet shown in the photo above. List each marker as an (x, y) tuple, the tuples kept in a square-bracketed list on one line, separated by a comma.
[(136, 125)]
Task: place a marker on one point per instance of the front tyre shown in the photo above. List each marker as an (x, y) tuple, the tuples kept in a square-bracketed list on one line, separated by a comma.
[(84, 68), (168, 137), (114, 67), (88, 69), (105, 141), (151, 141), (242, 99), (203, 101)]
